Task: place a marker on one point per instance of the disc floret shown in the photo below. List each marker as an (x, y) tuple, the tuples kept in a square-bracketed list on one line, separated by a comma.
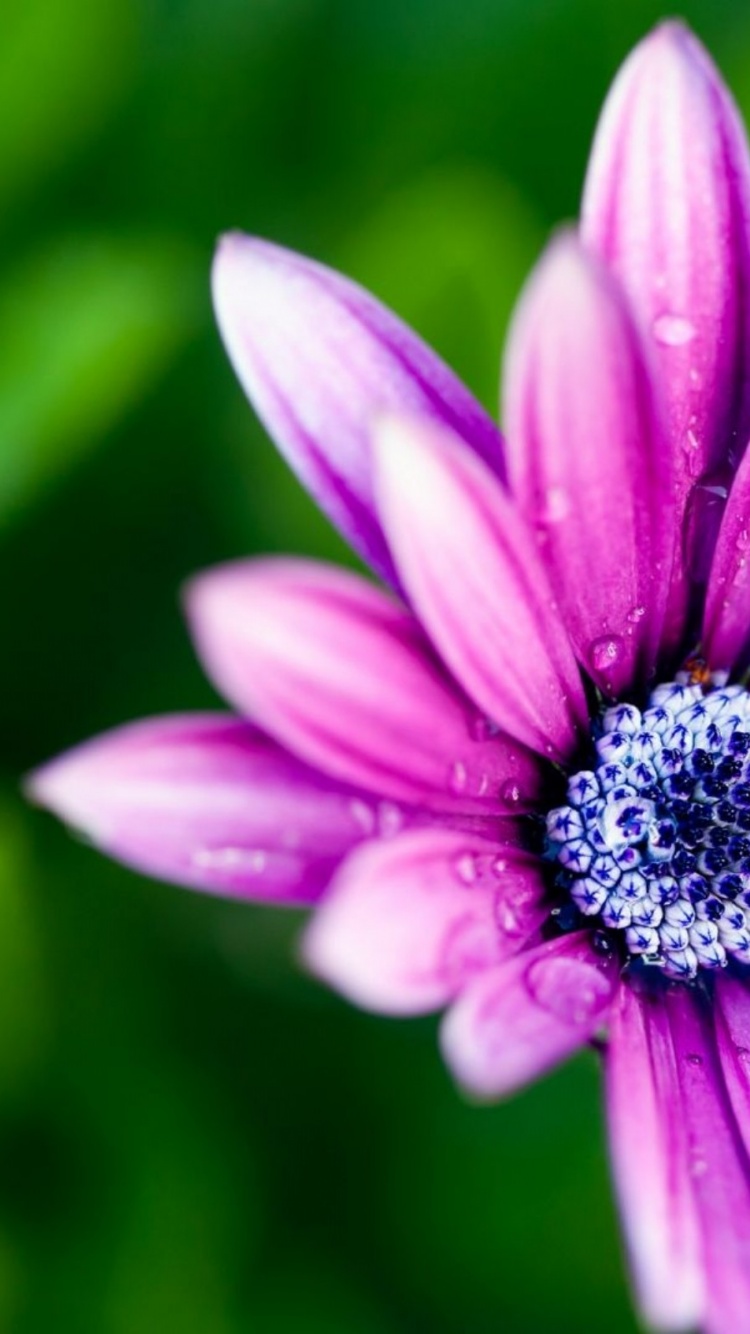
[(655, 840)]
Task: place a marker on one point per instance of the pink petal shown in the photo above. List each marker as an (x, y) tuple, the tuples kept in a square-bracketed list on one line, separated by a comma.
[(726, 624), (650, 1162), (473, 573), (666, 206), (209, 802), (514, 1022), (342, 674), (733, 1039), (718, 1165), (318, 356), (406, 925), (587, 465)]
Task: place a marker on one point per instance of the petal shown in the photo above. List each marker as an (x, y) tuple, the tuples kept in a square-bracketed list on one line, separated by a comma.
[(405, 925), (718, 1164), (586, 463), (666, 206), (342, 674), (726, 623), (733, 1040), (650, 1163), (472, 571), (208, 802), (318, 356), (514, 1022)]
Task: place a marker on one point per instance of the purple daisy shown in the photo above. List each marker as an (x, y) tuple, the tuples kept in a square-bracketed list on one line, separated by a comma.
[(505, 786)]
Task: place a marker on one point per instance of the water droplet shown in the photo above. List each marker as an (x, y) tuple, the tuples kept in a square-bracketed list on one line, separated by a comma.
[(390, 819), (673, 330), (636, 614), (606, 652), (569, 989), (457, 777), (694, 1059), (691, 449), (248, 860), (482, 728), (510, 793), (499, 866), (465, 866), (555, 505), (743, 540), (363, 815), (743, 1055), (696, 379)]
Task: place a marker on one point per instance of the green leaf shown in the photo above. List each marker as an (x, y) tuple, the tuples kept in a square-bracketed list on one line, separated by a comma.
[(85, 330), (450, 254), (62, 66)]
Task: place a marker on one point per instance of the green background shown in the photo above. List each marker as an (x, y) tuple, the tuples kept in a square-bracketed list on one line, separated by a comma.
[(194, 1137)]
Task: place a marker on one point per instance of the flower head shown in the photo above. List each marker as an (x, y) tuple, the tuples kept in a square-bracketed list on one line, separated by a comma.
[(504, 785)]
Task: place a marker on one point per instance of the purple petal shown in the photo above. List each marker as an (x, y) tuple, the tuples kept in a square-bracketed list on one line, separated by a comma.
[(586, 462), (726, 623), (666, 206), (406, 925), (208, 802), (342, 674), (516, 1021), (718, 1164), (650, 1161), (473, 573), (733, 1040), (318, 357)]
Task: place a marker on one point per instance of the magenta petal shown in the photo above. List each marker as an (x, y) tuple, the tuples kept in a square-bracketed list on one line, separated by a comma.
[(518, 1020), (473, 573), (406, 925), (650, 1161), (587, 464), (342, 674), (207, 801), (733, 1039), (718, 1164), (726, 624), (318, 356), (666, 206)]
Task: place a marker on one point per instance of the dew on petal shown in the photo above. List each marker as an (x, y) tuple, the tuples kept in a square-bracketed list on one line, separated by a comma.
[(510, 793), (457, 778), (605, 653), (465, 866), (252, 860), (568, 989), (673, 330), (390, 819), (555, 505), (363, 815)]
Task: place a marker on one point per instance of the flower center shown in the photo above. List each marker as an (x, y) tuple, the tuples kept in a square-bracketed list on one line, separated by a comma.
[(655, 842)]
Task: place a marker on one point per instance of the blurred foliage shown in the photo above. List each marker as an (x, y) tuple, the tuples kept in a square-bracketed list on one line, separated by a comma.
[(194, 1138)]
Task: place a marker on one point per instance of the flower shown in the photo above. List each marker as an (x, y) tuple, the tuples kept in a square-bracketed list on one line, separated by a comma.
[(507, 789)]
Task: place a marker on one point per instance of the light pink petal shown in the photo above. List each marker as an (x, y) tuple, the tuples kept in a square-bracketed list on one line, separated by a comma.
[(650, 1161), (726, 624), (406, 925), (471, 568), (318, 356), (666, 206), (209, 802), (718, 1164), (516, 1021), (342, 674), (587, 464)]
